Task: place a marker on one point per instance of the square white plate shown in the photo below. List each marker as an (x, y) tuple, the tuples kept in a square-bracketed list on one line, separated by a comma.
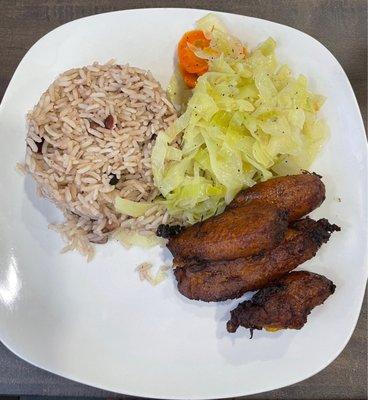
[(97, 323)]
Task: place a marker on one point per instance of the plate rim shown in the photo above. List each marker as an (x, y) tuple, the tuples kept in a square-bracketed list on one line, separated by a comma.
[(266, 388)]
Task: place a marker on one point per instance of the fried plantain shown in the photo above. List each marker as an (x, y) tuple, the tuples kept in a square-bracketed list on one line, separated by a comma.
[(235, 233), (296, 194), (285, 304), (222, 280)]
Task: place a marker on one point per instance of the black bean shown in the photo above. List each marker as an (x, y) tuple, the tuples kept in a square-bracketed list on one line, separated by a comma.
[(39, 145), (113, 179)]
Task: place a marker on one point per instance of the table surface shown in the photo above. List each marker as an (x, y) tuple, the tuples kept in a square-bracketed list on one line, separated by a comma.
[(340, 25)]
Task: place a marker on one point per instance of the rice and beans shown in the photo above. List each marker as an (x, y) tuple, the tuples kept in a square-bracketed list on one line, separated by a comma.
[(89, 140)]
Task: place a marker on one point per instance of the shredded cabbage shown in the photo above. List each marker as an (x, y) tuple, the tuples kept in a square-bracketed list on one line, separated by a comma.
[(247, 119), (131, 208), (130, 238)]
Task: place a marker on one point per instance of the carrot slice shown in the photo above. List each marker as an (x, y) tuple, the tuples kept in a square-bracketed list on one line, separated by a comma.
[(187, 59), (189, 79)]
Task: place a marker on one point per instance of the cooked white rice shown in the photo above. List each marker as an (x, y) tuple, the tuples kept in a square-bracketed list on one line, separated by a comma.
[(93, 126)]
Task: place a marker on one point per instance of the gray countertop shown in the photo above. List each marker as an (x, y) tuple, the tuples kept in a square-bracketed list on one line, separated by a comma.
[(340, 25)]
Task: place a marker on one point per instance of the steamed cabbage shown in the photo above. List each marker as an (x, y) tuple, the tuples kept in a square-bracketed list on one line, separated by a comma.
[(131, 208), (247, 119), (128, 239)]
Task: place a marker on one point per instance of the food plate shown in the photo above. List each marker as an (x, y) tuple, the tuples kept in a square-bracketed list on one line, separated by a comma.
[(97, 323)]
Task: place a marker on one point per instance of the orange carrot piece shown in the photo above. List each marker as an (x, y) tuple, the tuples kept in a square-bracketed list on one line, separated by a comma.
[(187, 59), (189, 79)]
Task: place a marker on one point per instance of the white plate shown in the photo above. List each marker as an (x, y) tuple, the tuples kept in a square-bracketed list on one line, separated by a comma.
[(97, 323)]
